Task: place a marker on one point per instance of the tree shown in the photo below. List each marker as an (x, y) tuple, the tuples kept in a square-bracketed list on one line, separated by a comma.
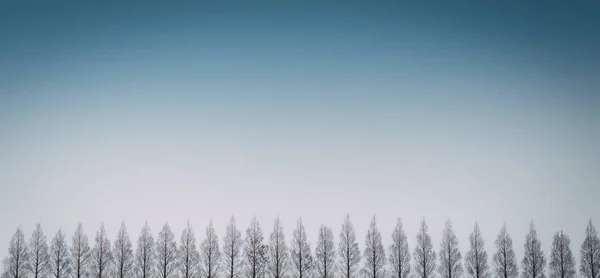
[(278, 252), (16, 264), (505, 261), (145, 254), (232, 245), (189, 257), (255, 252), (123, 251), (476, 261), (424, 254), (562, 262), (590, 253), (302, 260), (325, 254), (101, 255), (39, 255), (450, 257), (59, 256), (211, 254), (166, 252), (399, 253), (533, 260), (374, 253), (348, 249), (80, 253)]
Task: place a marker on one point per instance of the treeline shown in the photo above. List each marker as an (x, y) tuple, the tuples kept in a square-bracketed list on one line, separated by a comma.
[(253, 256)]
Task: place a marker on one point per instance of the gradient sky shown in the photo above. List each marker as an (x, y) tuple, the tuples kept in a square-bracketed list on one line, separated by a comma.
[(471, 111)]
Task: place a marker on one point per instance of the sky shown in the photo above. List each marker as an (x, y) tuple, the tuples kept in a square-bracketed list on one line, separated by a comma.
[(483, 111)]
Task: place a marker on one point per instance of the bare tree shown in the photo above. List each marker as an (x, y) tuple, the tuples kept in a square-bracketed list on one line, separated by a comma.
[(60, 261), (278, 252), (166, 252), (590, 253), (476, 261), (16, 264), (80, 253), (145, 254), (450, 257), (302, 260), (533, 260), (101, 255), (189, 257), (348, 249), (211, 254), (39, 255), (232, 244), (374, 253), (562, 262), (255, 252), (123, 252), (424, 254), (325, 254), (399, 257), (505, 261)]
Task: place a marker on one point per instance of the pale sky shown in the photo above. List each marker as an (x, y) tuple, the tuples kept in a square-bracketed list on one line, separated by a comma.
[(134, 112)]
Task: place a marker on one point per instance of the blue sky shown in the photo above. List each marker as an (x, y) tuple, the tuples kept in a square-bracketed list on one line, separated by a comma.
[(469, 111)]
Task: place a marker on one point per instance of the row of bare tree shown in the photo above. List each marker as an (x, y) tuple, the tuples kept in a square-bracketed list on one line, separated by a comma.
[(251, 257)]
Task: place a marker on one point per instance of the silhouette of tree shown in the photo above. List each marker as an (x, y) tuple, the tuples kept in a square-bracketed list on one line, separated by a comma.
[(562, 262), (399, 257), (102, 257), (232, 245), (325, 254), (505, 261), (476, 260), (60, 263), (189, 256), (166, 253), (39, 255), (302, 260), (255, 252), (424, 254), (80, 253), (374, 253), (278, 252), (533, 260), (211, 255), (348, 249), (145, 254), (16, 264), (123, 253), (590, 253), (450, 257)]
